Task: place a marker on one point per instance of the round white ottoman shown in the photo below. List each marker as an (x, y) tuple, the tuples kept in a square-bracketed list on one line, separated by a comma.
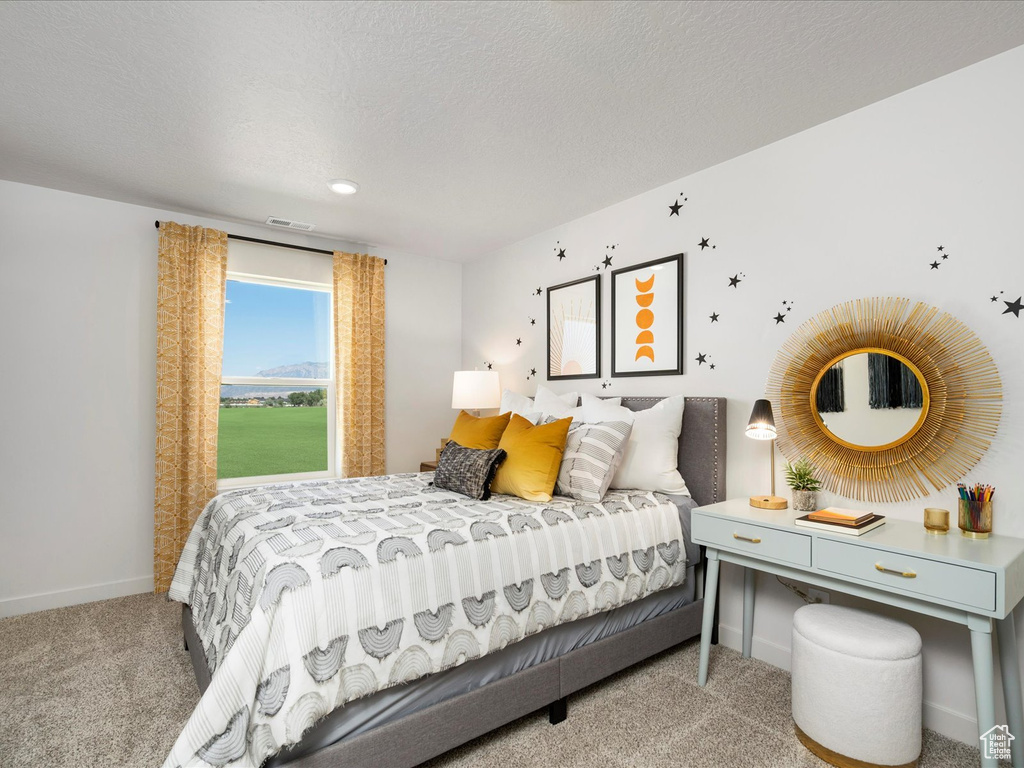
[(856, 686)]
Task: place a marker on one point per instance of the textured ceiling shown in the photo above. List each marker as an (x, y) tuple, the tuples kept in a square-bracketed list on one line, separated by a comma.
[(469, 125)]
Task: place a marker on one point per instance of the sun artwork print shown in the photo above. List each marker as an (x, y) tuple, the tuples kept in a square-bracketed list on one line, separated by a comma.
[(572, 340), (574, 312)]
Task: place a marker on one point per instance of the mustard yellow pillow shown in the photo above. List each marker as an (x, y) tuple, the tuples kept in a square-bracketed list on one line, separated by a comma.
[(480, 433), (534, 456)]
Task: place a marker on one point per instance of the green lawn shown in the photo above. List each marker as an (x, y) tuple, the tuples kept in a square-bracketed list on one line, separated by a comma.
[(271, 441)]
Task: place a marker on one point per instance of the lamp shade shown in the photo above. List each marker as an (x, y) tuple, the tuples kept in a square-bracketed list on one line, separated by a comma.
[(762, 422), (476, 389)]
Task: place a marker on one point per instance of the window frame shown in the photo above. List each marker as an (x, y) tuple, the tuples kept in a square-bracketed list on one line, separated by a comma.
[(333, 458)]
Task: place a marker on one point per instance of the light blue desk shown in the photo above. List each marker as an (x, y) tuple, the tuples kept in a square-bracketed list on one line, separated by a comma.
[(971, 582)]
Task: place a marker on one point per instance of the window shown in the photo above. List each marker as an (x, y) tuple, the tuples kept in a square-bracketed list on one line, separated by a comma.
[(277, 382)]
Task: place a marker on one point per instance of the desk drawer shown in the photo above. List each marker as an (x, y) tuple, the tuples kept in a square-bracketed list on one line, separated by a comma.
[(758, 540), (909, 574)]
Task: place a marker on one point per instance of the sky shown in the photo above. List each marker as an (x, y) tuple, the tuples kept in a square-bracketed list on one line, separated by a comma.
[(266, 326)]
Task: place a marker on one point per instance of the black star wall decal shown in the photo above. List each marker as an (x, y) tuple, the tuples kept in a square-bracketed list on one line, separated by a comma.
[(519, 342), (701, 358), (734, 281), (533, 321), (604, 385), (1013, 306), (712, 366), (607, 261), (490, 366), (714, 317), (704, 243), (561, 253), (935, 265), (675, 208), (533, 372), (995, 298), (537, 292), (940, 249), (780, 318)]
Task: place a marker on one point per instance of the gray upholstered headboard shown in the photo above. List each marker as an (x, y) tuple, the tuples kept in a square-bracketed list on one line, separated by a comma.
[(701, 444)]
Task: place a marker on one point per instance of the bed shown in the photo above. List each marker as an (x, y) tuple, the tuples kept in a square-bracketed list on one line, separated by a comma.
[(426, 709)]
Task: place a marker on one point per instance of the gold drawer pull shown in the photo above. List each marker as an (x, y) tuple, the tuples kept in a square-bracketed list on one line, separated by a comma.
[(904, 574), (744, 538)]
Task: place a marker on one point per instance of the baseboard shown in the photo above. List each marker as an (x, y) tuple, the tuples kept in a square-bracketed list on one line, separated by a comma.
[(938, 718), (776, 655), (950, 723), (15, 606)]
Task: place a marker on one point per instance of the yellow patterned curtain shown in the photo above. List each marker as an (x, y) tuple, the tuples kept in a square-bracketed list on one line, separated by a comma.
[(190, 344), (359, 362)]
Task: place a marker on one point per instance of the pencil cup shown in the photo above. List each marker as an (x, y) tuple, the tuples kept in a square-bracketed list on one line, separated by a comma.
[(975, 518), (936, 521)]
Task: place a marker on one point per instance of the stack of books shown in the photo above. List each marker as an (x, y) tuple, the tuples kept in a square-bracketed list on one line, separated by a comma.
[(852, 522)]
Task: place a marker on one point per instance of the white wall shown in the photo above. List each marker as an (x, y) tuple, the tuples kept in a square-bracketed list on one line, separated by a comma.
[(78, 386), (855, 207)]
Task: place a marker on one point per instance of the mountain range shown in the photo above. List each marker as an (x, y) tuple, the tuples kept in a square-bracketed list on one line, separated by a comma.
[(307, 370)]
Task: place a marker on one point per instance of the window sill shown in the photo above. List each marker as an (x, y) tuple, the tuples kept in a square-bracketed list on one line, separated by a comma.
[(234, 483)]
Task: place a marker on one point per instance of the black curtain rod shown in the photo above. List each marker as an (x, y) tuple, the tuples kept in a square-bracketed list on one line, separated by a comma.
[(279, 245)]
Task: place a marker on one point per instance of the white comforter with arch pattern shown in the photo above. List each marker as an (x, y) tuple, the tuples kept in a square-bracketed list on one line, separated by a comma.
[(311, 594)]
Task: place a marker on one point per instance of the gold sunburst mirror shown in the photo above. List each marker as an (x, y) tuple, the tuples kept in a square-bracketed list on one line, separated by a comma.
[(885, 398)]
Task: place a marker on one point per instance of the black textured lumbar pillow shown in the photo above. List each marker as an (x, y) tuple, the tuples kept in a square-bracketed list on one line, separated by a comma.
[(467, 470)]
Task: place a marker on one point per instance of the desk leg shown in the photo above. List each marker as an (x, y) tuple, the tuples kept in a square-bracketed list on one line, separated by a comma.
[(1009, 664), (749, 575), (710, 599), (984, 677)]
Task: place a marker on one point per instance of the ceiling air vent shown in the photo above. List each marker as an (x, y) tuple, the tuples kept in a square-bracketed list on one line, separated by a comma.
[(274, 221)]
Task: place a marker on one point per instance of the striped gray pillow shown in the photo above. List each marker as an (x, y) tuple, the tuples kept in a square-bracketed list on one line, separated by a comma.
[(592, 454)]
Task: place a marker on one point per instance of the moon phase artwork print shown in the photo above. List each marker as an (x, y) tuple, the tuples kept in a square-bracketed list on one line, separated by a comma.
[(574, 329), (647, 318)]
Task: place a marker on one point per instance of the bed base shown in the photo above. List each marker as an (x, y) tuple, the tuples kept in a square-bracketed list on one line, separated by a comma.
[(423, 735)]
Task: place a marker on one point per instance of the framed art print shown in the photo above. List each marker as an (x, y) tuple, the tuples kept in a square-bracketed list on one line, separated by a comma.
[(574, 329), (647, 318)]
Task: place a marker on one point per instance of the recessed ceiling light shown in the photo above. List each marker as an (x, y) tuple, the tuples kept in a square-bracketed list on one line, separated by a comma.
[(343, 186)]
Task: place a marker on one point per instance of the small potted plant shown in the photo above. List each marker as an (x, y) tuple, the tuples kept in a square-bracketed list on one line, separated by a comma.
[(800, 478)]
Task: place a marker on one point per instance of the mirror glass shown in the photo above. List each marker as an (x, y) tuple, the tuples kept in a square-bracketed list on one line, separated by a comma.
[(870, 399)]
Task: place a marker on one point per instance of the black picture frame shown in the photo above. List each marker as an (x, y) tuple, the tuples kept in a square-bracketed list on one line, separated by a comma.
[(677, 368), (575, 286)]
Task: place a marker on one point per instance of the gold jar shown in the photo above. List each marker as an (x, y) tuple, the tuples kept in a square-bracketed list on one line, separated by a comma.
[(936, 521)]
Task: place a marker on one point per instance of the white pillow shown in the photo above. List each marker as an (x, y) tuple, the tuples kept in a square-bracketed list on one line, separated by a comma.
[(559, 406), (519, 404), (590, 402), (650, 461)]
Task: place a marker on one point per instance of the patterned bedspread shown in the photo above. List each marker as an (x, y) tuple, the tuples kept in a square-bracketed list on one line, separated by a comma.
[(311, 594)]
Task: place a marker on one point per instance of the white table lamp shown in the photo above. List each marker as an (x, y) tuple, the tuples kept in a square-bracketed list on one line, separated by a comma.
[(473, 390)]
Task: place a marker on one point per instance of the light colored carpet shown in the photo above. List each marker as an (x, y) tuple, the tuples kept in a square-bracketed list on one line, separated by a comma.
[(109, 684)]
